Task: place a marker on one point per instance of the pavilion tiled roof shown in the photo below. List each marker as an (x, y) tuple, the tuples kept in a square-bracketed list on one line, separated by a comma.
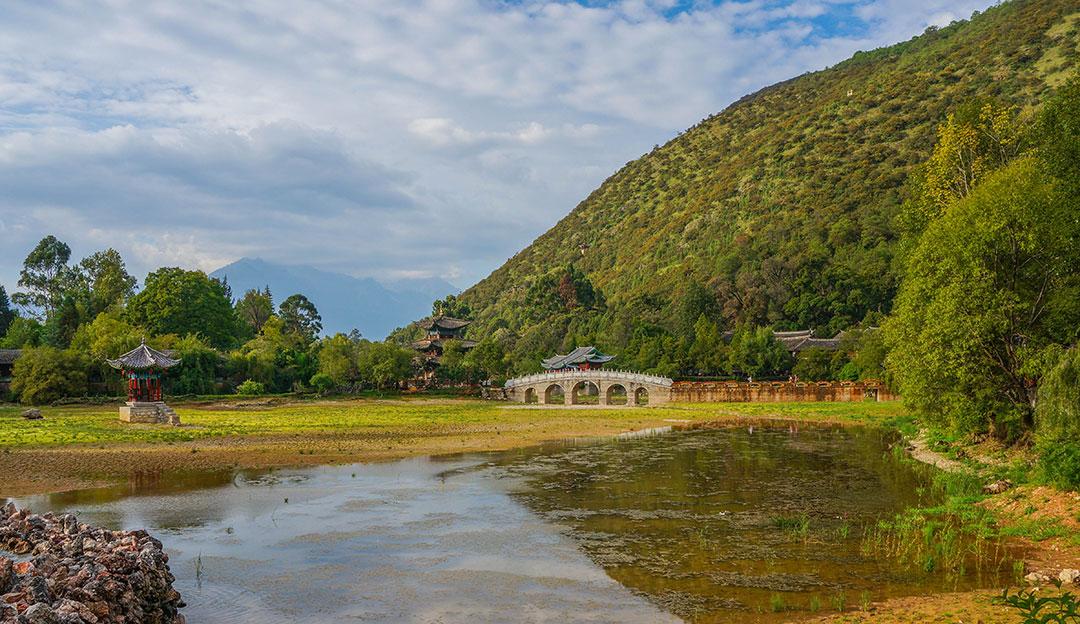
[(423, 345), (579, 355), (8, 356), (142, 357), (445, 322)]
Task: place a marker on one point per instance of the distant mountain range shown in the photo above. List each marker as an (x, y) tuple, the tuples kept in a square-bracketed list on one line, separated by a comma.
[(375, 307)]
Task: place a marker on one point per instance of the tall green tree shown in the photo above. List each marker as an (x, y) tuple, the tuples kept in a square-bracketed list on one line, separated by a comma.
[(384, 365), (338, 356), (24, 331), (708, 353), (813, 365), (698, 301), (300, 317), (107, 278), (255, 308), (488, 358), (45, 275), (989, 287), (107, 336), (181, 302), (199, 368), (754, 351), (279, 359), (6, 313), (64, 320)]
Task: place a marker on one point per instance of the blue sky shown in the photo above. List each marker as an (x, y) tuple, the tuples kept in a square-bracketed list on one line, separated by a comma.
[(434, 137)]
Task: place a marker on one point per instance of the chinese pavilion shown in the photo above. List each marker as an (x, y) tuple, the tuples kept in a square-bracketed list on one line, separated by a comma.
[(142, 368), (582, 358), (440, 329)]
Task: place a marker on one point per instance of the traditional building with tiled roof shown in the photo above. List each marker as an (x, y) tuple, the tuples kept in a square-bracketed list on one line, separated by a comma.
[(142, 368), (143, 357), (7, 368), (581, 358), (440, 330)]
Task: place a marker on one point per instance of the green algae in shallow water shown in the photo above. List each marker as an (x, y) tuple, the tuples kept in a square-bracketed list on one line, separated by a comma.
[(734, 525)]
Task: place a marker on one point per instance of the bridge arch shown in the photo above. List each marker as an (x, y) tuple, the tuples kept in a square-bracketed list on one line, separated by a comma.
[(616, 394), (554, 394), (641, 396), (530, 395), (583, 389)]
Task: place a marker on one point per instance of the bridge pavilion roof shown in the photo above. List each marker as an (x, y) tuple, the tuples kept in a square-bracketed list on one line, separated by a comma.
[(576, 357), (143, 357)]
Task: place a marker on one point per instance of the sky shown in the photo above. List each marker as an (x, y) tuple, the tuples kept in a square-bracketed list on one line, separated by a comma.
[(387, 139)]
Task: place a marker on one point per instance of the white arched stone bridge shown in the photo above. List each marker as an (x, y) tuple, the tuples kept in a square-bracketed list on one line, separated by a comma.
[(612, 387)]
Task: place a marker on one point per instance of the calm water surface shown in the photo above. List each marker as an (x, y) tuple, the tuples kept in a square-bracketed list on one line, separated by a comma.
[(649, 529)]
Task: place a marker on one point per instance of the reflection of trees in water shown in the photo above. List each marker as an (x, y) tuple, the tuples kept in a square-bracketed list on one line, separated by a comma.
[(98, 505)]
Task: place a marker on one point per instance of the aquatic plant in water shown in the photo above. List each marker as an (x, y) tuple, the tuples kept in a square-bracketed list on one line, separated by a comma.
[(947, 537), (799, 524)]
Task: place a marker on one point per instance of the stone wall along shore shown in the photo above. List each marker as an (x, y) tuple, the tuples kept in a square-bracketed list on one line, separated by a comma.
[(57, 570), (778, 391)]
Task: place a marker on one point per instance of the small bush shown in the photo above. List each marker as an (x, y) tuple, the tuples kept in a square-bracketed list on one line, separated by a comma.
[(1059, 462), (322, 383), (1057, 423), (251, 387), (45, 374), (850, 372), (1038, 609)]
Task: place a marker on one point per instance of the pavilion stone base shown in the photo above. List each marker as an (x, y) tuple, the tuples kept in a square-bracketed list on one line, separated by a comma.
[(155, 412)]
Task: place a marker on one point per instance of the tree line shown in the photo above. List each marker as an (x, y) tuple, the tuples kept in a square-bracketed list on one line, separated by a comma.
[(983, 335), (67, 318)]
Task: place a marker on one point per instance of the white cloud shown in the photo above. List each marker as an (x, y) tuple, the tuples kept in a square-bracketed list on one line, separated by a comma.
[(431, 136)]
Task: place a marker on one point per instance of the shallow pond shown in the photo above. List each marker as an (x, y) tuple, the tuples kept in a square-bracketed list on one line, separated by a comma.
[(714, 525)]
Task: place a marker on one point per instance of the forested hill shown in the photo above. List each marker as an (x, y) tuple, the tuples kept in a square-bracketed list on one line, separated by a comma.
[(781, 206)]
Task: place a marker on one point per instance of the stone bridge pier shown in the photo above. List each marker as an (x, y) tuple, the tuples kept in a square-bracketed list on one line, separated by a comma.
[(572, 387)]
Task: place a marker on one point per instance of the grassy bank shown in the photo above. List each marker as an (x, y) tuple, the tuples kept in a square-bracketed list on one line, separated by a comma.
[(83, 446), (96, 425)]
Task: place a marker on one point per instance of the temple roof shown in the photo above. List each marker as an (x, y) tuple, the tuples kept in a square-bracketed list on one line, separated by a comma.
[(830, 344), (443, 322), (8, 356), (424, 345), (575, 357), (143, 356)]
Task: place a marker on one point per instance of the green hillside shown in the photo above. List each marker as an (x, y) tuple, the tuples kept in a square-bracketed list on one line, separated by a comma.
[(781, 207)]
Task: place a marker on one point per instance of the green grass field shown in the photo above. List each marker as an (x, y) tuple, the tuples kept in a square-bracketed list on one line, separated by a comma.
[(100, 425)]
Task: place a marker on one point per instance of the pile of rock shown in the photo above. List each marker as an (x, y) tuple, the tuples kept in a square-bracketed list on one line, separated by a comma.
[(67, 572), (1067, 576)]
